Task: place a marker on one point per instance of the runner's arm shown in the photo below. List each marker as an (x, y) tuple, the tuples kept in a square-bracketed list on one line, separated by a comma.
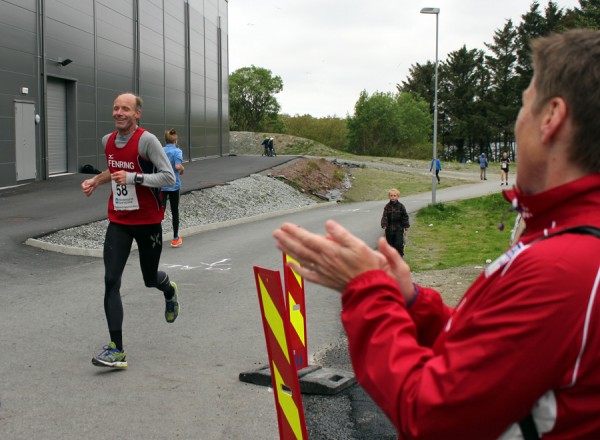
[(474, 373), (151, 149), (179, 161)]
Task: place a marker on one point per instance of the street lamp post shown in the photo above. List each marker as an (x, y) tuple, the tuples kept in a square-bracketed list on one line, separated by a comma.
[(435, 11)]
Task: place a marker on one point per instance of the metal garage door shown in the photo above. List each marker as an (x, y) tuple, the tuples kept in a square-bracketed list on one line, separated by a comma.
[(57, 126)]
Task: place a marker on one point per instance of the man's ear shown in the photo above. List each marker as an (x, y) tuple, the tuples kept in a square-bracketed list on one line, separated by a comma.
[(555, 114)]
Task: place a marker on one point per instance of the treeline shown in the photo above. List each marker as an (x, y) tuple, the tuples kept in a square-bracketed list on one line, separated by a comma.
[(479, 92), (479, 95)]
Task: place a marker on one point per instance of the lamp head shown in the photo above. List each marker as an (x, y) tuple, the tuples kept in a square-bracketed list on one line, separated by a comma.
[(430, 11)]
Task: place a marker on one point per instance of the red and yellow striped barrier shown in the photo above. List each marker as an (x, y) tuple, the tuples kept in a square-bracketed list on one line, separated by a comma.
[(296, 312), (286, 386)]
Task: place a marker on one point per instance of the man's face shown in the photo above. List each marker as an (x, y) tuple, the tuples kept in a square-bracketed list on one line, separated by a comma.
[(125, 114), (528, 139)]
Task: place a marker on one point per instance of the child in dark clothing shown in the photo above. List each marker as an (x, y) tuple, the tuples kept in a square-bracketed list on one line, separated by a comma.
[(395, 221)]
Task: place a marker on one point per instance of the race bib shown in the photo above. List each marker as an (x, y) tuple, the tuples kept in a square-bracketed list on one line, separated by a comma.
[(124, 197), (504, 164)]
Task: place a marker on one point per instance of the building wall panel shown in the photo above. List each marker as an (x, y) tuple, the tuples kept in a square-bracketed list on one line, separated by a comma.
[(179, 84)]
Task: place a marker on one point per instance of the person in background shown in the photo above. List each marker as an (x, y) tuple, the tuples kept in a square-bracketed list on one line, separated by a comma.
[(483, 164), (137, 169), (265, 144), (518, 356), (504, 164), (438, 167), (271, 146), (172, 193), (395, 221)]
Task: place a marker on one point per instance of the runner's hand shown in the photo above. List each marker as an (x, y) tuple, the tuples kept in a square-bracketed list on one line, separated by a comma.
[(331, 261), (120, 177), (88, 186)]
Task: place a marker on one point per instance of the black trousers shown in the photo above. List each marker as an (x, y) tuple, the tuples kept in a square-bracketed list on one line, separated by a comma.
[(173, 197), (396, 240), (117, 246)]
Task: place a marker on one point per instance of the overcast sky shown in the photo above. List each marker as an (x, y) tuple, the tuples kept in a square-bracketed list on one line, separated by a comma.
[(327, 51)]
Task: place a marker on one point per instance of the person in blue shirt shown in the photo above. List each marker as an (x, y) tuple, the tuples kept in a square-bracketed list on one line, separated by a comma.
[(483, 164), (438, 167), (172, 193)]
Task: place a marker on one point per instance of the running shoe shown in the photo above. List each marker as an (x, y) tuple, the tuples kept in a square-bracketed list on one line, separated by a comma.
[(172, 306), (111, 357), (176, 242)]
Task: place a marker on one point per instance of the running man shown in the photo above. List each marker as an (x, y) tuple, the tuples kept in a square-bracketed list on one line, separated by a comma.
[(137, 168)]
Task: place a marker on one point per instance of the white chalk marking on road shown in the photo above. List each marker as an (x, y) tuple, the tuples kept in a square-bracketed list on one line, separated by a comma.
[(217, 265), (180, 266)]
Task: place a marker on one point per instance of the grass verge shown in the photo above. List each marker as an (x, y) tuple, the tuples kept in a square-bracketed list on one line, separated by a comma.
[(447, 235), (370, 183)]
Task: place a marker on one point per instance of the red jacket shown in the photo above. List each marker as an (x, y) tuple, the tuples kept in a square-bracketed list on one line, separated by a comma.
[(527, 332)]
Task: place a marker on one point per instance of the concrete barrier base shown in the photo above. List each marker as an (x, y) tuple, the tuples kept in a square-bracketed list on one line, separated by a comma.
[(313, 379)]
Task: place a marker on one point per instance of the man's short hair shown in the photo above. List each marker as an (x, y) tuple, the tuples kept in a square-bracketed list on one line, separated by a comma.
[(138, 100), (567, 65)]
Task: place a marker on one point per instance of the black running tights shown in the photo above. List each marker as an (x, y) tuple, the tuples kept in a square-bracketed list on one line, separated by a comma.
[(117, 246)]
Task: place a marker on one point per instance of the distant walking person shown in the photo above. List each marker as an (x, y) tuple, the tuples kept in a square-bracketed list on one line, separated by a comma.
[(438, 167), (271, 146), (504, 163), (137, 169), (395, 221), (265, 144), (483, 164), (171, 193)]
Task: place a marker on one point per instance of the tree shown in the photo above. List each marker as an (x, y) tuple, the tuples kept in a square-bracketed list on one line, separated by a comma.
[(414, 127), (421, 82), (481, 108), (555, 18), (252, 104), (385, 124), (534, 25), (505, 98), (588, 15), (330, 130), (459, 92)]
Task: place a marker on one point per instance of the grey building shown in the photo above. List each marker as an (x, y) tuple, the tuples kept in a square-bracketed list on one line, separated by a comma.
[(62, 63)]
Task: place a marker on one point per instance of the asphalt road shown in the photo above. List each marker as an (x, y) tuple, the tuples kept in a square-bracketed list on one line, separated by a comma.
[(182, 380)]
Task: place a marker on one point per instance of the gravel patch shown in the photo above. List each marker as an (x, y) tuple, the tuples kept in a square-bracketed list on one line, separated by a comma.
[(246, 197)]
